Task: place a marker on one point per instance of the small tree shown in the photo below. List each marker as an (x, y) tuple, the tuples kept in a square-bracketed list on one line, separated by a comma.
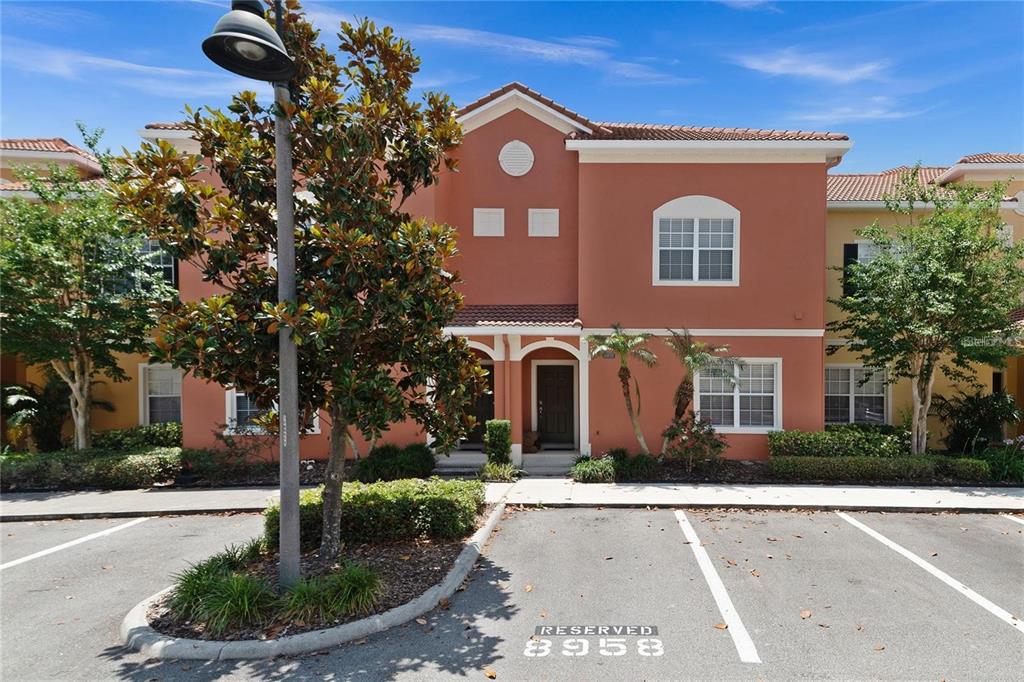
[(938, 294), (77, 287), (624, 346), (374, 294), (695, 356)]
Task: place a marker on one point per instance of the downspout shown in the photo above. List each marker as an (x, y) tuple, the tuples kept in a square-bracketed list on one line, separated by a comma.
[(507, 387)]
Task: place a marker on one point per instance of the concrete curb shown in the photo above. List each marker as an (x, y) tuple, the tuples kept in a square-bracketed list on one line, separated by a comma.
[(137, 633), (131, 514), (762, 506)]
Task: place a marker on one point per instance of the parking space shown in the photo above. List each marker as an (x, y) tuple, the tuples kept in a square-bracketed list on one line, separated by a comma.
[(595, 594)]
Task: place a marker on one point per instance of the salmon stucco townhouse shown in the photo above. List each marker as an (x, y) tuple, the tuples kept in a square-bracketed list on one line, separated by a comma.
[(568, 226)]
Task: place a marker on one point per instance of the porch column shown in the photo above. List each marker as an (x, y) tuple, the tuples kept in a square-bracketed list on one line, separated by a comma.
[(515, 408), (584, 362)]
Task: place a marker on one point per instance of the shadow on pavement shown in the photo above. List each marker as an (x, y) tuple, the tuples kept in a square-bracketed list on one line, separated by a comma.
[(451, 642)]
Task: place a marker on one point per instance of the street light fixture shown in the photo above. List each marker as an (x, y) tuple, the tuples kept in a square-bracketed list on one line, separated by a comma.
[(242, 42)]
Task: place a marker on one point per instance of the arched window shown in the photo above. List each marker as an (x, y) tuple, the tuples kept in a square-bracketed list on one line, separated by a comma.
[(696, 242)]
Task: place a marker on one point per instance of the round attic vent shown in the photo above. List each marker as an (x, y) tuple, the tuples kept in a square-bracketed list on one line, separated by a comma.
[(516, 158)]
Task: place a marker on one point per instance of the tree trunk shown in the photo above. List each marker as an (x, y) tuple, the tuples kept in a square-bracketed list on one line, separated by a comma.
[(78, 376), (330, 541), (682, 400), (921, 386), (634, 420)]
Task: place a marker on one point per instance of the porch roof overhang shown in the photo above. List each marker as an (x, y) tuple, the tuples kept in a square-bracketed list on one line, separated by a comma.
[(561, 319)]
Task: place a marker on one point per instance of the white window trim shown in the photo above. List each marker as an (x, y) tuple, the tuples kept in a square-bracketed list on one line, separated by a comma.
[(854, 365), (777, 402), (480, 212), (531, 230), (865, 243), (144, 368), (575, 395), (230, 418), (695, 207)]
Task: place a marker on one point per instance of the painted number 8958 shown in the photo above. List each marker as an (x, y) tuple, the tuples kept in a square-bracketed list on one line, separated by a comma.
[(606, 646)]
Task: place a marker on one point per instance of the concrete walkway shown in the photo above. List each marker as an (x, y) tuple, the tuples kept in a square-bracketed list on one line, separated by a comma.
[(557, 492)]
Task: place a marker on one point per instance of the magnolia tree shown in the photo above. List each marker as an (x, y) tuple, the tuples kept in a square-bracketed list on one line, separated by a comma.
[(373, 292), (937, 296), (78, 285)]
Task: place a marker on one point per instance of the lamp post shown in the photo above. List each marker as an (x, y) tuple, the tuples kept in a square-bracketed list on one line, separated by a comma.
[(242, 42)]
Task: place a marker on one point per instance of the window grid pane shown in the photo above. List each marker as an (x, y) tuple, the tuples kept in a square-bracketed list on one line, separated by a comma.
[(752, 394), (245, 411), (843, 390), (164, 409)]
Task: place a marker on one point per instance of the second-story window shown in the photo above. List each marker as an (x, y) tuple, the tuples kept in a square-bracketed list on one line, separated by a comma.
[(160, 260), (696, 242)]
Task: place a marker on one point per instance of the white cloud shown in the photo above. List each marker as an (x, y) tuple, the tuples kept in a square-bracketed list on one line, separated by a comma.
[(592, 52), (815, 65), (161, 81), (52, 18), (879, 108)]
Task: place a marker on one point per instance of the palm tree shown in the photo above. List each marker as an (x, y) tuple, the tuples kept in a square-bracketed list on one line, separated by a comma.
[(625, 346), (695, 356)]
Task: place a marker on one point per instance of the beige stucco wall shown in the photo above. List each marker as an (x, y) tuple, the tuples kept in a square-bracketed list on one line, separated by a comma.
[(124, 395), (841, 229)]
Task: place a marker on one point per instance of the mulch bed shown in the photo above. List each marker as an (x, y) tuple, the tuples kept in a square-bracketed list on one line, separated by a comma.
[(407, 569)]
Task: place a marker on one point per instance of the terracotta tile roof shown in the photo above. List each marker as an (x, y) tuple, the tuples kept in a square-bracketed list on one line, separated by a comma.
[(872, 186), (548, 315), (178, 125), (651, 131), (530, 92), (993, 157), (45, 144)]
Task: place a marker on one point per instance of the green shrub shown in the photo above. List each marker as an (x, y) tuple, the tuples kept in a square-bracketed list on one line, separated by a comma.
[(964, 469), (1006, 462), (235, 600), (594, 470), (693, 440), (861, 468), (356, 589), (167, 435), (638, 467), (390, 462), (69, 469), (498, 441), (975, 421), (504, 473), (389, 510), (842, 441)]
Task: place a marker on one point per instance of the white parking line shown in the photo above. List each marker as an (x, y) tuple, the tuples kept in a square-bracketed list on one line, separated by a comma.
[(941, 575), (1014, 518), (72, 543), (740, 637)]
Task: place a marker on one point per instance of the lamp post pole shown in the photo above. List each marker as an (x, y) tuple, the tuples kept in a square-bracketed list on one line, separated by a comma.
[(243, 43)]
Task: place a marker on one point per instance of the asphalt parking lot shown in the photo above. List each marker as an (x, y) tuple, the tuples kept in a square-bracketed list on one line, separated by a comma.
[(592, 594)]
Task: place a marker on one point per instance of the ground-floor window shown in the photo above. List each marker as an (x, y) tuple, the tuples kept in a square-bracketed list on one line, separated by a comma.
[(243, 415), (855, 395), (749, 400), (160, 387)]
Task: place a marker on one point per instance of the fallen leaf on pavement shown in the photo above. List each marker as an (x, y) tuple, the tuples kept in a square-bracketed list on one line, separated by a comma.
[(822, 625), (879, 647), (799, 537), (755, 573), (934, 554), (805, 614), (608, 558), (773, 539), (528, 588), (421, 621), (859, 627), (730, 562), (769, 556), (107, 567), (405, 557), (721, 626), (443, 602), (490, 673)]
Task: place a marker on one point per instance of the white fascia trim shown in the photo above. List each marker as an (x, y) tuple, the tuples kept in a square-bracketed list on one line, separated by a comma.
[(164, 134), (516, 94), (45, 156), (484, 330), (662, 331), (834, 147), (955, 171)]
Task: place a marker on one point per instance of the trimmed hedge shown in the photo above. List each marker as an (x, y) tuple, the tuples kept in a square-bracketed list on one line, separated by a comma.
[(841, 441), (166, 435), (388, 510), (391, 462), (95, 468), (498, 441), (866, 468)]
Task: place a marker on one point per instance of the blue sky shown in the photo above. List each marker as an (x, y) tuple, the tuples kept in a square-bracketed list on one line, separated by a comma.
[(924, 81)]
